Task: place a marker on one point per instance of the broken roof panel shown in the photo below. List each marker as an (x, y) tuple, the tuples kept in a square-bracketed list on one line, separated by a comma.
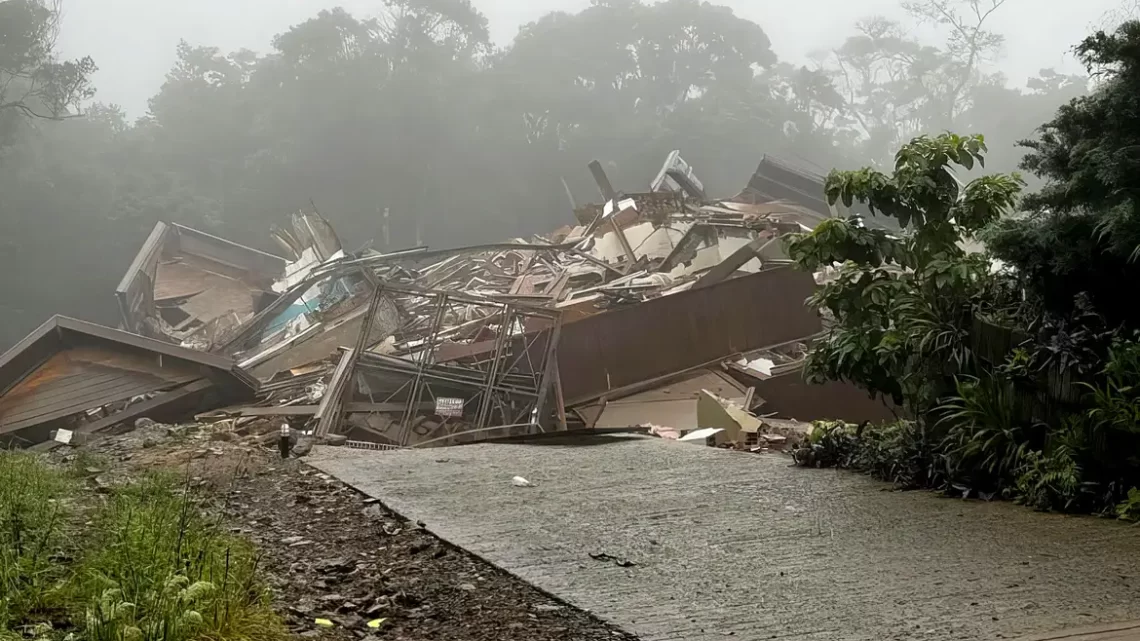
[(777, 179), (68, 366), (671, 334), (183, 279), (671, 404)]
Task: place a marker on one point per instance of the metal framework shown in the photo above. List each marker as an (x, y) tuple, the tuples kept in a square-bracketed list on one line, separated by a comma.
[(502, 387)]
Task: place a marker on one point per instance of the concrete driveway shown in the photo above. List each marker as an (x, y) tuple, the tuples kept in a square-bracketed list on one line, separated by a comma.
[(672, 541)]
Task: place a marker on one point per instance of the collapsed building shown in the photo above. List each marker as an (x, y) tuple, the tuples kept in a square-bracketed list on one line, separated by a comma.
[(651, 304)]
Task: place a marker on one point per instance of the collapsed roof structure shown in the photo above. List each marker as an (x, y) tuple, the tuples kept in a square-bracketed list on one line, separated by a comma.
[(424, 347), (74, 374), (185, 284)]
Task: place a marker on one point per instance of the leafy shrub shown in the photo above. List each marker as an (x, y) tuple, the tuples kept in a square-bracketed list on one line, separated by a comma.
[(1129, 509), (904, 453), (830, 444), (1050, 482), (985, 439), (897, 452)]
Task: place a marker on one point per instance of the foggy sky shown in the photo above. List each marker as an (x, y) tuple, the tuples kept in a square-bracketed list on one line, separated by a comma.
[(133, 41)]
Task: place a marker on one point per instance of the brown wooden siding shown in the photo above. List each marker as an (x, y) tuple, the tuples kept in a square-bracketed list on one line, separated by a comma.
[(83, 378)]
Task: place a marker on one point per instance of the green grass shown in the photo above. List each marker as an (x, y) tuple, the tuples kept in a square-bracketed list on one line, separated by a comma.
[(33, 520), (144, 564)]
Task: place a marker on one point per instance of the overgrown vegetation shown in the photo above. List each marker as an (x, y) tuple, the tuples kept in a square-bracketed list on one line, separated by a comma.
[(1022, 376), (33, 527), (142, 563)]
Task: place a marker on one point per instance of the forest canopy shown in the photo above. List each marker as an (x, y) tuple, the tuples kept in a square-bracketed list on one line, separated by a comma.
[(416, 113)]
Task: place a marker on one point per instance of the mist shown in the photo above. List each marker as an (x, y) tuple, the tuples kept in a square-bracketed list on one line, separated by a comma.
[(459, 122)]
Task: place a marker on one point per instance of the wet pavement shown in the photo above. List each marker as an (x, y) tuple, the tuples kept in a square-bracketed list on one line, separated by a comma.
[(672, 541)]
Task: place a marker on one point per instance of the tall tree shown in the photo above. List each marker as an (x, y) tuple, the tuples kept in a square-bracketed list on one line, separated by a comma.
[(1082, 232), (34, 83), (896, 87), (969, 44), (602, 82)]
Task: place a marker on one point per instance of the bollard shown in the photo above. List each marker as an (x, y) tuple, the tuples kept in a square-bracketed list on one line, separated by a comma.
[(283, 442)]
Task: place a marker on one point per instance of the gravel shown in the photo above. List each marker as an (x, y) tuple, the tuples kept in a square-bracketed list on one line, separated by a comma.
[(332, 554)]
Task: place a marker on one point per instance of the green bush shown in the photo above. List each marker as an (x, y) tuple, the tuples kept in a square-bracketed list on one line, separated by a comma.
[(1050, 482), (903, 453), (985, 441), (1129, 508), (1023, 378), (898, 452)]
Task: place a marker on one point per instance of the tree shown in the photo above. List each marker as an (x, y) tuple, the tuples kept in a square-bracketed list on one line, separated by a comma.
[(901, 308), (896, 88), (1011, 114), (1082, 230), (626, 82), (968, 44), (411, 128), (33, 82)]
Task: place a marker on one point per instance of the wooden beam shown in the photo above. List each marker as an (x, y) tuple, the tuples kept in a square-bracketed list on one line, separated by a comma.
[(332, 403), (602, 180), (156, 404)]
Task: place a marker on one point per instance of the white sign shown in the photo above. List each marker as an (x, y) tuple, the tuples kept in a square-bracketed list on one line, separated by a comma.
[(445, 406)]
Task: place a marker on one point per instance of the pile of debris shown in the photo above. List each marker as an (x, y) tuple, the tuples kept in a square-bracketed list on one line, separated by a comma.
[(652, 304)]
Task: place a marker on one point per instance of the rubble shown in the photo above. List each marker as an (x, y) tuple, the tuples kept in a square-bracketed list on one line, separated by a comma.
[(580, 329), (187, 286)]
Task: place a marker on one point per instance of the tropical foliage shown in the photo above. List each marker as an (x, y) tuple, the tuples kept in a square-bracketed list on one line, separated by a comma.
[(1019, 368)]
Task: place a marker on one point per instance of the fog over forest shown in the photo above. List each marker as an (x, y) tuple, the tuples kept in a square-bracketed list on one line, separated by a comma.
[(463, 119)]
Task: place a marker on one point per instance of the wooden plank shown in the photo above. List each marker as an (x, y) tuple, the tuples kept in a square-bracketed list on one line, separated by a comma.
[(559, 399), (227, 252), (128, 390), (138, 409), (44, 392), (328, 412), (51, 394), (82, 398), (146, 407), (603, 181), (728, 266), (623, 241), (281, 410)]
